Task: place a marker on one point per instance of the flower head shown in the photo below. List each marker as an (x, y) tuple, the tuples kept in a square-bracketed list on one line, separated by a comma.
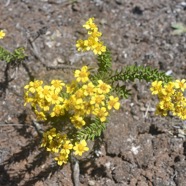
[(156, 87), (99, 48), (92, 42), (57, 85), (80, 44), (171, 97), (77, 121), (82, 75), (34, 86), (58, 110), (67, 146), (113, 103), (180, 84), (103, 88), (62, 158), (89, 89), (90, 25), (2, 34), (101, 113), (80, 147)]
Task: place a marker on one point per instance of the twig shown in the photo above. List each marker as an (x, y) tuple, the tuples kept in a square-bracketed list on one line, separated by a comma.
[(12, 124), (75, 170), (61, 67), (65, 3), (37, 126), (146, 113), (35, 50), (7, 3)]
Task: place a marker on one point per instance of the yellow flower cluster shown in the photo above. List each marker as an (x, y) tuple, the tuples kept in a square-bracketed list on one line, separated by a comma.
[(60, 146), (2, 34), (79, 100), (92, 42), (171, 97)]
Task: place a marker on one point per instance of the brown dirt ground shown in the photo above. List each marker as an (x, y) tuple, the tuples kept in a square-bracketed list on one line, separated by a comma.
[(138, 148)]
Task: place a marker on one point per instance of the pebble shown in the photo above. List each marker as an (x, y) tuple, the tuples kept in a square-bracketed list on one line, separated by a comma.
[(91, 183)]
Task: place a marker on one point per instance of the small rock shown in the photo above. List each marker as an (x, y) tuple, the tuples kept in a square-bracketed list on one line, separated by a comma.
[(50, 44), (119, 2), (183, 4), (60, 60), (91, 183)]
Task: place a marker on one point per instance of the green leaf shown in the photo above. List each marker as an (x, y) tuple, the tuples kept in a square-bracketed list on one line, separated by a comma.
[(179, 28), (141, 73), (17, 55), (93, 130)]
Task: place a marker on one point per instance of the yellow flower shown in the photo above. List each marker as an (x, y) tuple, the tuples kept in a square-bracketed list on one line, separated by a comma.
[(171, 98), (92, 42), (40, 115), (103, 88), (54, 98), (97, 100), (82, 75), (44, 92), (2, 34), (52, 141), (177, 110), (52, 133), (57, 85), (34, 86), (80, 44), (178, 97), (182, 115), (156, 86), (90, 24), (180, 84), (80, 147), (67, 146), (77, 121), (95, 34), (166, 105), (58, 110), (101, 113), (89, 89), (55, 140), (99, 48), (54, 146), (168, 89), (113, 103), (62, 158)]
